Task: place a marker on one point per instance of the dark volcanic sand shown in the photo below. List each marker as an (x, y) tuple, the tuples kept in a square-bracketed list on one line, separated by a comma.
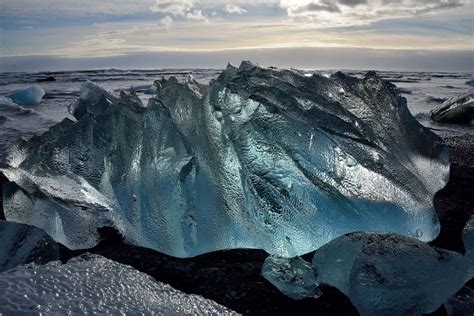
[(232, 278)]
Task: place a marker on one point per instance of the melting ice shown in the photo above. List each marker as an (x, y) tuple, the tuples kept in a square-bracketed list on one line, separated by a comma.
[(260, 158)]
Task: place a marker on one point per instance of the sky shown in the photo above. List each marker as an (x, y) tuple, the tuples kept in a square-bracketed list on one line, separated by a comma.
[(422, 35)]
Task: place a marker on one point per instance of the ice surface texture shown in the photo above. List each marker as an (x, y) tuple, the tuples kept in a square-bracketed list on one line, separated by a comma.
[(294, 277), (459, 109), (28, 96), (260, 158), (21, 244), (387, 274), (92, 284)]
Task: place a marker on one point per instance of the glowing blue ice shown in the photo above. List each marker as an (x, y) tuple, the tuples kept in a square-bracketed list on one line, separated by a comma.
[(28, 96), (260, 158)]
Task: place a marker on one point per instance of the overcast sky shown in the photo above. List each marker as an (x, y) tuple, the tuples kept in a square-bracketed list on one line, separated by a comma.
[(376, 34)]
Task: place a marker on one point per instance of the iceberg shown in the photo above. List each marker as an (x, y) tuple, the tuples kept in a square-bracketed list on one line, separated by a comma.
[(91, 284), (22, 244), (388, 274), (260, 158), (28, 96), (468, 238), (457, 110), (294, 277)]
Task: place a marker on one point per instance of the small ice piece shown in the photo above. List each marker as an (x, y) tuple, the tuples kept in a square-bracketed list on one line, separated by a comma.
[(457, 110), (22, 244), (29, 96), (147, 89), (7, 102), (470, 81), (294, 277), (461, 304), (91, 284), (388, 274), (468, 238)]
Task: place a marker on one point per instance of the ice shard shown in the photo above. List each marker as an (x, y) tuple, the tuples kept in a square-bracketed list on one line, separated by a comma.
[(388, 274), (91, 284), (259, 158), (22, 244)]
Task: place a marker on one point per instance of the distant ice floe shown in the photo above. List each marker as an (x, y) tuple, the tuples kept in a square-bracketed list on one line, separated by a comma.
[(28, 96)]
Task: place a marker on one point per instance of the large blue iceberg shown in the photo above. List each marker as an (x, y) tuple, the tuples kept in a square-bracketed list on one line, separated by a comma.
[(259, 158)]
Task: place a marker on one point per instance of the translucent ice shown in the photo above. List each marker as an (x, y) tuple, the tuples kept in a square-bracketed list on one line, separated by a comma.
[(21, 244), (260, 158), (387, 274), (459, 109), (468, 238), (7, 102), (94, 285), (93, 99), (28, 96), (294, 277)]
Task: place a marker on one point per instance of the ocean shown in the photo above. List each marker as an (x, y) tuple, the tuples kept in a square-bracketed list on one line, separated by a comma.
[(423, 91)]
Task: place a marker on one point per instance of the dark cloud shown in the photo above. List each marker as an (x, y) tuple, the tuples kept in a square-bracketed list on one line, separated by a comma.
[(352, 3), (325, 6)]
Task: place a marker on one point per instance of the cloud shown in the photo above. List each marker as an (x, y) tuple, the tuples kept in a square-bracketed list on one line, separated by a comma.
[(177, 8), (166, 22), (328, 13), (233, 9), (196, 15)]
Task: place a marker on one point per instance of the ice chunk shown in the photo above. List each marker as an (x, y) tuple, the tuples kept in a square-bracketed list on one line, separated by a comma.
[(93, 98), (294, 277), (459, 109), (92, 284), (260, 158), (471, 80), (28, 96), (21, 244), (7, 102), (461, 304), (147, 89), (468, 238), (387, 274)]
